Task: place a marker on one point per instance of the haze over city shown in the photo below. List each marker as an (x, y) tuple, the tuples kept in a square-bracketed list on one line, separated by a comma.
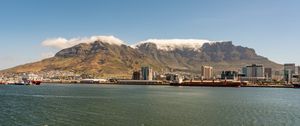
[(270, 27)]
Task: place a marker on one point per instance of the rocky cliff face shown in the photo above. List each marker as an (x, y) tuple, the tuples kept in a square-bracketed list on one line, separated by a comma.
[(217, 54), (209, 52), (104, 59)]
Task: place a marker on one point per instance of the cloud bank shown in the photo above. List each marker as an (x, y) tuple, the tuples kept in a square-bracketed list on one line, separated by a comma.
[(162, 44), (171, 44), (62, 43)]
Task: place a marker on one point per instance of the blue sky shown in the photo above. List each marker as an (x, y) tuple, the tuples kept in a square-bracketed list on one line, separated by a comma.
[(271, 27)]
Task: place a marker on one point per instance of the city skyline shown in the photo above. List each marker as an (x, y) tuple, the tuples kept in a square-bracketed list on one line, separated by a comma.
[(270, 27)]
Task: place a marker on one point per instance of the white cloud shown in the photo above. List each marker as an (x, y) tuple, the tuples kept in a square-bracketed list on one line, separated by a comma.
[(171, 44), (62, 43)]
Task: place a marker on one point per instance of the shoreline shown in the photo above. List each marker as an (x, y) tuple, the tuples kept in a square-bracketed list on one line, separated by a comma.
[(246, 86)]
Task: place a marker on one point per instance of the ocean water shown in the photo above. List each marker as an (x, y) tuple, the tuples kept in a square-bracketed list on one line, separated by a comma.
[(132, 105)]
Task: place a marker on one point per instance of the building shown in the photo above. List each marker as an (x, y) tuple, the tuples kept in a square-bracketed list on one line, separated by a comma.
[(244, 71), (207, 72), (291, 67), (136, 75), (147, 73), (229, 75), (288, 75), (289, 71), (268, 73), (253, 73), (278, 75)]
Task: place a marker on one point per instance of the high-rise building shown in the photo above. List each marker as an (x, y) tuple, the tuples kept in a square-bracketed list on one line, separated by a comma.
[(136, 75), (255, 70), (253, 73), (268, 73), (291, 67), (147, 73), (289, 71), (207, 72)]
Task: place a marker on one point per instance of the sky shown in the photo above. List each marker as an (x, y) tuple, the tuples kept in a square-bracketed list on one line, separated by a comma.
[(271, 27)]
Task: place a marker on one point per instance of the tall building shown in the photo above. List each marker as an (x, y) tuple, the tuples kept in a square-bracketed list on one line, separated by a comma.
[(291, 67), (207, 72), (268, 73), (136, 75), (253, 73), (289, 71), (255, 70), (147, 73)]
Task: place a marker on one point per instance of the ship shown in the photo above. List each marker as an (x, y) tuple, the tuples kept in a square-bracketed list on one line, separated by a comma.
[(296, 85), (31, 79), (210, 83)]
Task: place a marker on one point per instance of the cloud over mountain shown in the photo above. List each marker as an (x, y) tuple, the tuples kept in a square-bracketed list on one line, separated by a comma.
[(171, 44), (62, 43)]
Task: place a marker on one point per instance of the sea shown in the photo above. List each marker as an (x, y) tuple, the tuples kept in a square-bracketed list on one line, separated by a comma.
[(140, 105)]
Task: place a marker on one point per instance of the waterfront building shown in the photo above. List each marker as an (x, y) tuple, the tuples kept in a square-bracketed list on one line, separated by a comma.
[(229, 75), (155, 75), (147, 73), (288, 75), (206, 72), (136, 75), (253, 73), (268, 73), (278, 75), (291, 67), (289, 72), (244, 70), (255, 70)]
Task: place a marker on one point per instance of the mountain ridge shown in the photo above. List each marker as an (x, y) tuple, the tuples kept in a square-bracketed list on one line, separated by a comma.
[(105, 59)]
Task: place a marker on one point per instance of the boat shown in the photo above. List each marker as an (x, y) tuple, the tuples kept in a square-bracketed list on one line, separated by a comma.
[(32, 79), (296, 85), (36, 82), (20, 83)]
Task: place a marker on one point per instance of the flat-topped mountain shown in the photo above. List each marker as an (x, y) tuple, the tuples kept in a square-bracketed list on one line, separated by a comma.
[(103, 58)]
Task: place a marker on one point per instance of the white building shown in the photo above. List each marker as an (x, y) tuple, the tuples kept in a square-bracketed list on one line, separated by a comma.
[(253, 73), (207, 72)]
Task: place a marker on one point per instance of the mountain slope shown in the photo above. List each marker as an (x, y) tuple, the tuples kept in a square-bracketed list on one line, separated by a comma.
[(104, 59)]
